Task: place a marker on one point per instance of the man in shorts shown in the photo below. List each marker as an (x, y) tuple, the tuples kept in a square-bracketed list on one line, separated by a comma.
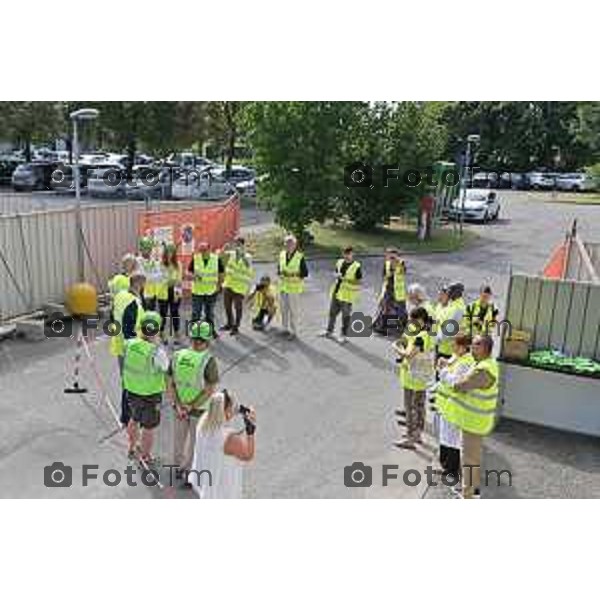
[(144, 379)]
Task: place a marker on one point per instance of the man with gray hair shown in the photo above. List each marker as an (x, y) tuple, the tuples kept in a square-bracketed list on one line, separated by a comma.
[(292, 271)]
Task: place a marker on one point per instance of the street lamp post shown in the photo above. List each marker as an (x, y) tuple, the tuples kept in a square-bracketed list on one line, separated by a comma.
[(83, 114), (473, 138)]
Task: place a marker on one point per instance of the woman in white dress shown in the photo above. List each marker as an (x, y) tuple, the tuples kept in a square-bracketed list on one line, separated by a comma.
[(221, 450)]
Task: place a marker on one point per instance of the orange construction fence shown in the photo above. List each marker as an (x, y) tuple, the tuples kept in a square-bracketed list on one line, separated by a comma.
[(185, 227)]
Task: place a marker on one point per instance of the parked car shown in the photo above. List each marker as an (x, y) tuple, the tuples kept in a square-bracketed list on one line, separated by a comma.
[(33, 176), (479, 205), (575, 182), (513, 181), (236, 175), (246, 188), (105, 180), (7, 168), (482, 180), (539, 180), (206, 186), (147, 183)]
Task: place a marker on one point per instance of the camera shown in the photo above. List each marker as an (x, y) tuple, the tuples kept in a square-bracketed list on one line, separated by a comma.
[(358, 475), (243, 410), (358, 175), (360, 325), (58, 325), (58, 475)]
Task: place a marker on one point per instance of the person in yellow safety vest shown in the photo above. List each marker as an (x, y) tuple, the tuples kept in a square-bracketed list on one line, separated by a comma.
[(145, 369), (471, 404), (451, 370), (194, 379), (391, 312), (345, 290), (205, 270), (150, 266), (292, 271), (416, 356), (481, 314), (126, 318), (264, 297), (449, 320), (416, 298), (239, 275), (169, 291), (128, 265)]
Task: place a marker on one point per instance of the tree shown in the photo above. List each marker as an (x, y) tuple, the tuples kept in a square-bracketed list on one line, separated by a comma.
[(191, 124), (225, 120), (29, 122), (299, 146), (393, 139), (519, 136)]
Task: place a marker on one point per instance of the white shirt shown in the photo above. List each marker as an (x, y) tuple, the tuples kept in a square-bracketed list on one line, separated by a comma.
[(225, 471)]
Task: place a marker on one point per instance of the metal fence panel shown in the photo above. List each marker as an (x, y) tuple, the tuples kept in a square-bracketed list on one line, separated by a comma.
[(38, 253), (560, 314)]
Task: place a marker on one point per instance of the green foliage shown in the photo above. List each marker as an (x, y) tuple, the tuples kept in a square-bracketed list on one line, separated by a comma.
[(520, 136), (299, 145), (28, 122), (305, 147)]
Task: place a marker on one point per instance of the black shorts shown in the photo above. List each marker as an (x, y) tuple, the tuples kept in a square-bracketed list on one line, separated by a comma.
[(145, 410)]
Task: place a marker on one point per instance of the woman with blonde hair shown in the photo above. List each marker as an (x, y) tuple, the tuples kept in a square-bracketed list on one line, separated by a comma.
[(220, 450)]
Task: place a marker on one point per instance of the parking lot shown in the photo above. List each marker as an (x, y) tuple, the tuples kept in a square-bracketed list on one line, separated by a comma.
[(321, 406)]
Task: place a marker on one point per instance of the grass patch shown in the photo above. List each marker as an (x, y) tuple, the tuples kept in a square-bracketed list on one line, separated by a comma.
[(576, 199), (329, 239)]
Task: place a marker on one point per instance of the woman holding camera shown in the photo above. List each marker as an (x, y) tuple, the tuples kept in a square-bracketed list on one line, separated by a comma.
[(220, 450)]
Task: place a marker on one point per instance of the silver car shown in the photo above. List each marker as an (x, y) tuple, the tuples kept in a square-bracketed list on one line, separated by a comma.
[(575, 182)]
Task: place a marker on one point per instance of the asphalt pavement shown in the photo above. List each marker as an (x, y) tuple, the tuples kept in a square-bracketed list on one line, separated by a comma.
[(321, 406)]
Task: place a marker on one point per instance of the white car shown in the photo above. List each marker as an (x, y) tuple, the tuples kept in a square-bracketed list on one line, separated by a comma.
[(541, 181), (575, 182), (237, 174), (479, 205), (246, 188), (203, 187)]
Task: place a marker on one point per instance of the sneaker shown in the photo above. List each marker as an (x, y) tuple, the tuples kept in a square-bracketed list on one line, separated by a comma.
[(225, 328), (406, 444), (326, 334), (234, 331), (342, 339)]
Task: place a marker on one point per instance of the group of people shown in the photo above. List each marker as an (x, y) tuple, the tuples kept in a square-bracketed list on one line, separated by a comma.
[(445, 357), (454, 368)]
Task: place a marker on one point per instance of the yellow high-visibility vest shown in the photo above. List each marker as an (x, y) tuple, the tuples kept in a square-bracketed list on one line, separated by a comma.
[(399, 281), (473, 411), (289, 273), (121, 301), (206, 280), (417, 373), (349, 286), (171, 276), (238, 274)]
